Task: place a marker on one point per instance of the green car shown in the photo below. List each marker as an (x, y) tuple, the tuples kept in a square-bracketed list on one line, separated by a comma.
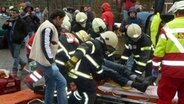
[(3, 18)]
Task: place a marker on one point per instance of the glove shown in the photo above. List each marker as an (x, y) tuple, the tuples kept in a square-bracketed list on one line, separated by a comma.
[(70, 64), (155, 73)]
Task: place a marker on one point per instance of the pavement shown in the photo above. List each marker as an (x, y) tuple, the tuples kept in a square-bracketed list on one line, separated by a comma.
[(6, 62)]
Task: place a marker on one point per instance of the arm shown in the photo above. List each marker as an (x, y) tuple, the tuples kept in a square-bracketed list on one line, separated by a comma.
[(45, 44)]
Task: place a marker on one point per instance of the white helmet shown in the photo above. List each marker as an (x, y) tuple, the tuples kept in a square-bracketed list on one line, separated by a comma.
[(110, 38), (83, 35), (98, 25), (66, 24), (134, 31), (178, 5), (81, 17)]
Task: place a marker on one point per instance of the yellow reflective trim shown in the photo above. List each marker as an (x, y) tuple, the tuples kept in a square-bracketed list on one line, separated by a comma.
[(126, 46), (149, 61), (59, 43), (60, 50), (81, 74), (71, 52), (140, 63), (82, 50), (124, 57), (59, 62), (92, 61), (100, 71), (136, 56), (93, 46), (72, 75), (137, 71), (146, 48)]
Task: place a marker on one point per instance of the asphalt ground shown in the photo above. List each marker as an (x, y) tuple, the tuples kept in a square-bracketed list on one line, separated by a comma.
[(6, 62)]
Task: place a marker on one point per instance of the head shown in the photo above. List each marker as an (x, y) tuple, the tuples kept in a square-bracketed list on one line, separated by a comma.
[(57, 17), (134, 32), (105, 6), (66, 25), (81, 18), (177, 8), (132, 13), (111, 40), (37, 9), (83, 36), (14, 13), (98, 25)]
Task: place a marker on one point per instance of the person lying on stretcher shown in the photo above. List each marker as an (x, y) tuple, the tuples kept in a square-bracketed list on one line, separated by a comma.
[(121, 75)]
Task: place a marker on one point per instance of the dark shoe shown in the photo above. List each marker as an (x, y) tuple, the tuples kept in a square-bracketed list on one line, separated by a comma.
[(139, 79), (140, 86), (22, 66), (150, 80)]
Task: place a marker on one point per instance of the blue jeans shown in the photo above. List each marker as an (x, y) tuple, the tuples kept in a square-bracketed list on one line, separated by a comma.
[(54, 80), (15, 50), (125, 14), (130, 62)]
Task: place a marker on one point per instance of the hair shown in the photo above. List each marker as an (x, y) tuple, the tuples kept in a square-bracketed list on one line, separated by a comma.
[(56, 13), (15, 10)]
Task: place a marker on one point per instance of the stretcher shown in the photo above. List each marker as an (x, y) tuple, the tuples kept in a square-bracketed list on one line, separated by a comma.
[(110, 93), (25, 96)]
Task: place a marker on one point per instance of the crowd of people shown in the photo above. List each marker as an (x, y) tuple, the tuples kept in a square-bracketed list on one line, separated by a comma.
[(73, 46)]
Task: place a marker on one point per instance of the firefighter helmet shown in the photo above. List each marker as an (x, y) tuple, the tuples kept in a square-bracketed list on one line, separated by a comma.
[(98, 25), (81, 17), (83, 35), (110, 38), (134, 31), (178, 5), (66, 24)]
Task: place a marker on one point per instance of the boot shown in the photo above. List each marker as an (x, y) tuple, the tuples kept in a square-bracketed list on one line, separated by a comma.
[(149, 79), (139, 79), (140, 86)]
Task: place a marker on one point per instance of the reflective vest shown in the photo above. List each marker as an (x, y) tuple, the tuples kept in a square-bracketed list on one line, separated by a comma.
[(169, 51), (154, 28)]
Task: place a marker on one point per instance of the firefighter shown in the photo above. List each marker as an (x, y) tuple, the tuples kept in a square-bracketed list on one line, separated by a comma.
[(81, 23), (168, 57), (83, 67), (140, 45), (117, 72)]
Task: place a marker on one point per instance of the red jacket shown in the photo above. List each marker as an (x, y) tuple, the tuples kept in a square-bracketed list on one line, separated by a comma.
[(29, 44), (107, 15)]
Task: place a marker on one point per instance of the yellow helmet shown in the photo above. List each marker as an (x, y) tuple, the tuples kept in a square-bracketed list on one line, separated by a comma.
[(83, 35), (134, 31), (110, 38)]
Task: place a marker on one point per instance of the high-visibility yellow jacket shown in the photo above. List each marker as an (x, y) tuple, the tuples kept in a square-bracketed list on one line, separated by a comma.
[(155, 28), (169, 51)]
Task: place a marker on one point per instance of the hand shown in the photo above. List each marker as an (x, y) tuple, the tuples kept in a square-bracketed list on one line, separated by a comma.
[(69, 65), (155, 73)]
